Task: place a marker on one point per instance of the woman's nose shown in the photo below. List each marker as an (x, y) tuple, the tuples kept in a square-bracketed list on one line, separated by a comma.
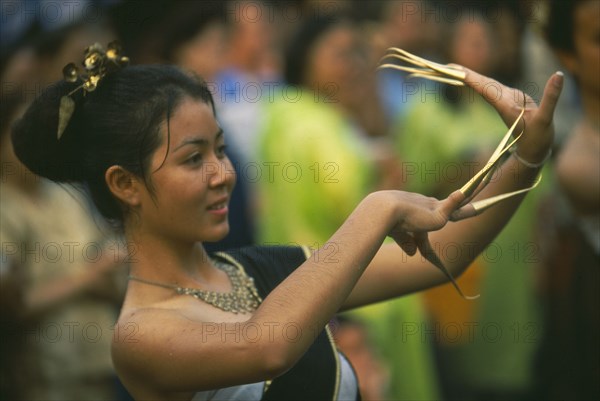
[(220, 172)]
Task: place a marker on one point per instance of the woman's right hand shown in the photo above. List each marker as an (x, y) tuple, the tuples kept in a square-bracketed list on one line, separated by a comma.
[(418, 215)]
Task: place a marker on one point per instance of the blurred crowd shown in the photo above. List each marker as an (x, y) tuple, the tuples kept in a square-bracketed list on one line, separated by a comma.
[(312, 127)]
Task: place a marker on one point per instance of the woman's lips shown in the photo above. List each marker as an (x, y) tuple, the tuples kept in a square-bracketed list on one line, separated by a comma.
[(218, 208)]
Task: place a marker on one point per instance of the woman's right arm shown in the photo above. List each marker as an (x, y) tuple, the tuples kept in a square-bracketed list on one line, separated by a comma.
[(180, 355)]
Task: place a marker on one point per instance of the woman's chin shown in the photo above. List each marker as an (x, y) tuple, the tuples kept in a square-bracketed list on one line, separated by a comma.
[(218, 234)]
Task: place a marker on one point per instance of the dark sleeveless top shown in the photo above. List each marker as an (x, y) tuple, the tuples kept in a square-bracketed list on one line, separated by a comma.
[(316, 376)]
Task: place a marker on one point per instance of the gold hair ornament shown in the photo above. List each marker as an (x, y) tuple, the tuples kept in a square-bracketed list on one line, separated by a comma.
[(97, 63), (454, 75)]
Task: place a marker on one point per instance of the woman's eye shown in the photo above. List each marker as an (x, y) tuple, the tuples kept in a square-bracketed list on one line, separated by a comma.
[(195, 159), (221, 150)]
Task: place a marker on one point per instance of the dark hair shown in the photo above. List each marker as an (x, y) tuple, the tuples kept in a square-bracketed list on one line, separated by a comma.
[(560, 26), (117, 124)]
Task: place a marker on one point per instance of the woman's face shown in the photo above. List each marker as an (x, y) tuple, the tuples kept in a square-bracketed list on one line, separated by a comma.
[(193, 186), (334, 65), (471, 46), (205, 53)]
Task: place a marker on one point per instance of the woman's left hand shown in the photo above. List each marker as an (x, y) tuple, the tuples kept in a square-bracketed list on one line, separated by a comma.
[(508, 102)]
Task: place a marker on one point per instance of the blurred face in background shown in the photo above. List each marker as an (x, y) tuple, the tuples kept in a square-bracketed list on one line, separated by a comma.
[(409, 27), (337, 65), (205, 52), (471, 46), (584, 63), (251, 38)]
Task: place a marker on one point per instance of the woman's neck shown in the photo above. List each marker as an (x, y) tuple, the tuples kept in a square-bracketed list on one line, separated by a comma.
[(166, 260)]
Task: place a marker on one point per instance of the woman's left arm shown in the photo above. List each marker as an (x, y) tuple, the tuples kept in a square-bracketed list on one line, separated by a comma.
[(394, 272)]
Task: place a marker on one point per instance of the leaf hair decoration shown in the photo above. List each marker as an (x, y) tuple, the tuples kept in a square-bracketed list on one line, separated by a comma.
[(97, 63)]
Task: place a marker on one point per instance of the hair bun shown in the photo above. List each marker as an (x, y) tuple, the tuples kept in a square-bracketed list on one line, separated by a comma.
[(35, 140)]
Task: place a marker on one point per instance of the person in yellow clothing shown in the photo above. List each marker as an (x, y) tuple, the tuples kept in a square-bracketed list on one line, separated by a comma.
[(315, 162), (318, 170)]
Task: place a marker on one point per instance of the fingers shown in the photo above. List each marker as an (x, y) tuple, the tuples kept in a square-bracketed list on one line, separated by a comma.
[(406, 242), (535, 145), (422, 240), (452, 202), (550, 98), (425, 248), (483, 85), (463, 213), (506, 100)]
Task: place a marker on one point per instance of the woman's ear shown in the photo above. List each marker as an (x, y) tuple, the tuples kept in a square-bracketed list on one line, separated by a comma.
[(124, 185)]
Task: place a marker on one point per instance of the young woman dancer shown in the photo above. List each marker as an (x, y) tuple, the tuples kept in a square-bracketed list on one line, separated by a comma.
[(250, 323)]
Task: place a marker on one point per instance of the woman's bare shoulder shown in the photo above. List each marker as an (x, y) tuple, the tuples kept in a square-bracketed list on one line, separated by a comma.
[(164, 348)]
